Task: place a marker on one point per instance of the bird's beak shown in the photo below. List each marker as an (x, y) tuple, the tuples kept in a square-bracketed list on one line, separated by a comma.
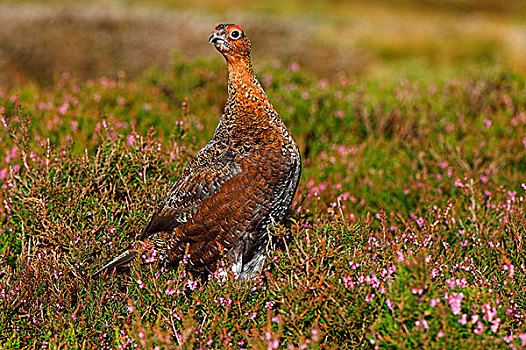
[(215, 39)]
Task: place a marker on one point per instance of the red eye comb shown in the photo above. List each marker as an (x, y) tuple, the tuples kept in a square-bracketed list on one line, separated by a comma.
[(234, 27)]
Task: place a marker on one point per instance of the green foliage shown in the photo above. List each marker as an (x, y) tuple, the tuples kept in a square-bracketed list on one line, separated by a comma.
[(407, 230)]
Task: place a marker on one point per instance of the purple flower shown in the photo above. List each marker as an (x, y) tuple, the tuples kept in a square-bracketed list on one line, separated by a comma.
[(495, 325), (455, 301), (422, 324), (294, 66), (463, 320), (479, 329), (489, 312), (62, 109)]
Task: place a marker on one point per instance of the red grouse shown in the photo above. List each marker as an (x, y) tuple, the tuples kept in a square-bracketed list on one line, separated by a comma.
[(236, 187)]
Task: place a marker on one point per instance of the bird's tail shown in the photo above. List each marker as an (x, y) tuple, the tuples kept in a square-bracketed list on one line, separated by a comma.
[(121, 261)]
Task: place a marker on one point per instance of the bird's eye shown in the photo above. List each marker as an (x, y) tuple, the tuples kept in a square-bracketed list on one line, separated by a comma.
[(235, 34)]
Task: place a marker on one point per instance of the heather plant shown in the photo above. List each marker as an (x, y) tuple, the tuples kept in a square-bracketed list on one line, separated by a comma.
[(407, 230)]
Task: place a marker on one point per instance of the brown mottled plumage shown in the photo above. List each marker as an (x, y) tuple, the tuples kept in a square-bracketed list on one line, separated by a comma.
[(240, 183)]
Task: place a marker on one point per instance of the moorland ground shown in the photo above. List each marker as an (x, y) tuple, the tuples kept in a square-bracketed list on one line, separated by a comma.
[(408, 227)]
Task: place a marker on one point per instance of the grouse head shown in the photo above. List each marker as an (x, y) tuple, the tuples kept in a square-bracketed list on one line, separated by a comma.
[(231, 41)]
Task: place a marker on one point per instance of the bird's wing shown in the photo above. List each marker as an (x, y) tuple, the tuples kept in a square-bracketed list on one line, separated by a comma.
[(202, 183)]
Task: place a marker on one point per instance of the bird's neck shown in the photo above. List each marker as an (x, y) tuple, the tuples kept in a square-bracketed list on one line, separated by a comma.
[(247, 107), (243, 86)]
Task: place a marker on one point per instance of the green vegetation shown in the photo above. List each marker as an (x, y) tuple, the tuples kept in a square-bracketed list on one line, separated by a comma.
[(408, 229)]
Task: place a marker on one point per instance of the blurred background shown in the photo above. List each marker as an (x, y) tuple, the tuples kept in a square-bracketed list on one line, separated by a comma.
[(41, 39)]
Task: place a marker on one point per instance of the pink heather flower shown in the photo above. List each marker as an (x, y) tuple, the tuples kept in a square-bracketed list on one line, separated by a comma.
[(474, 318), (192, 285), (463, 320), (487, 123), (152, 258), (147, 106), (434, 302), (522, 337), (451, 283), (323, 84), (455, 301), (275, 319), (169, 291), (458, 183), (422, 324), (400, 256), (510, 268), (418, 291), (273, 344), (440, 334), (62, 109), (489, 312), (253, 316), (479, 329), (315, 332), (508, 339), (347, 281), (495, 325), (74, 125), (389, 304), (369, 298), (483, 179), (294, 66), (141, 284)]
